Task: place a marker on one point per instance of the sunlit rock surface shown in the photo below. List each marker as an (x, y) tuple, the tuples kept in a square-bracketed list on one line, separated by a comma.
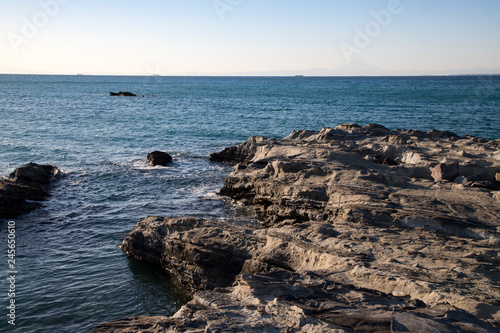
[(356, 235)]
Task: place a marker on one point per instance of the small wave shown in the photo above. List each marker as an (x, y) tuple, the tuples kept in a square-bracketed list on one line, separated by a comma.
[(22, 148), (10, 147), (212, 195), (112, 163), (143, 165)]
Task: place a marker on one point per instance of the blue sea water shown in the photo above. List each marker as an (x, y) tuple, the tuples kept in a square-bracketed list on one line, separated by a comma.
[(71, 275)]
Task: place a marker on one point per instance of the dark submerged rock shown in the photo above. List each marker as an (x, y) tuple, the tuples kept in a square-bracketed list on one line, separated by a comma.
[(159, 158), (123, 94), (33, 174), (25, 187)]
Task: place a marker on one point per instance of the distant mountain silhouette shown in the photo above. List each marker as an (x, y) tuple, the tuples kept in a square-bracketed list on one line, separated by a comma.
[(358, 67)]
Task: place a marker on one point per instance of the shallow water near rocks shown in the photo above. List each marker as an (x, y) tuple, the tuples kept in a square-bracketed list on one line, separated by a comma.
[(71, 273)]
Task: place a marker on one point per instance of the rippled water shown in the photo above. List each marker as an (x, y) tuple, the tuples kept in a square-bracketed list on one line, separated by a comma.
[(71, 273)]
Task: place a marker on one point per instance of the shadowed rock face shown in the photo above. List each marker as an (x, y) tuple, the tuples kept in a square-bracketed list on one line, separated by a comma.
[(20, 193), (204, 254), (347, 242)]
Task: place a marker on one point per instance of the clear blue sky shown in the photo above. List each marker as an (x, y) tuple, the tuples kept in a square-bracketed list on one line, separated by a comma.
[(222, 36)]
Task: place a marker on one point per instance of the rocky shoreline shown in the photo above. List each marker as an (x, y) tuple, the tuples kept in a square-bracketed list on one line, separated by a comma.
[(22, 192), (363, 229)]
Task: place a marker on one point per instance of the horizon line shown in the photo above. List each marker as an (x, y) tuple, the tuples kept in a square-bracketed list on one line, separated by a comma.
[(249, 75)]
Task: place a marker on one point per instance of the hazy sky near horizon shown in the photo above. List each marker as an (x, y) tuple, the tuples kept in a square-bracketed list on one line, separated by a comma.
[(223, 36)]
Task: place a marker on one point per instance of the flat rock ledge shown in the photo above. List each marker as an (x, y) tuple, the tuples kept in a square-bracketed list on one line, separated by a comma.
[(22, 192), (357, 235)]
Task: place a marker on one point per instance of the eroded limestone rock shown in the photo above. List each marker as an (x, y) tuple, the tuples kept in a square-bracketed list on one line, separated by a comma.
[(319, 277), (203, 254), (347, 243), (332, 175)]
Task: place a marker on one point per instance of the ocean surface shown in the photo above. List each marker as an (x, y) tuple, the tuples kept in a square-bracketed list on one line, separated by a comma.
[(71, 273)]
